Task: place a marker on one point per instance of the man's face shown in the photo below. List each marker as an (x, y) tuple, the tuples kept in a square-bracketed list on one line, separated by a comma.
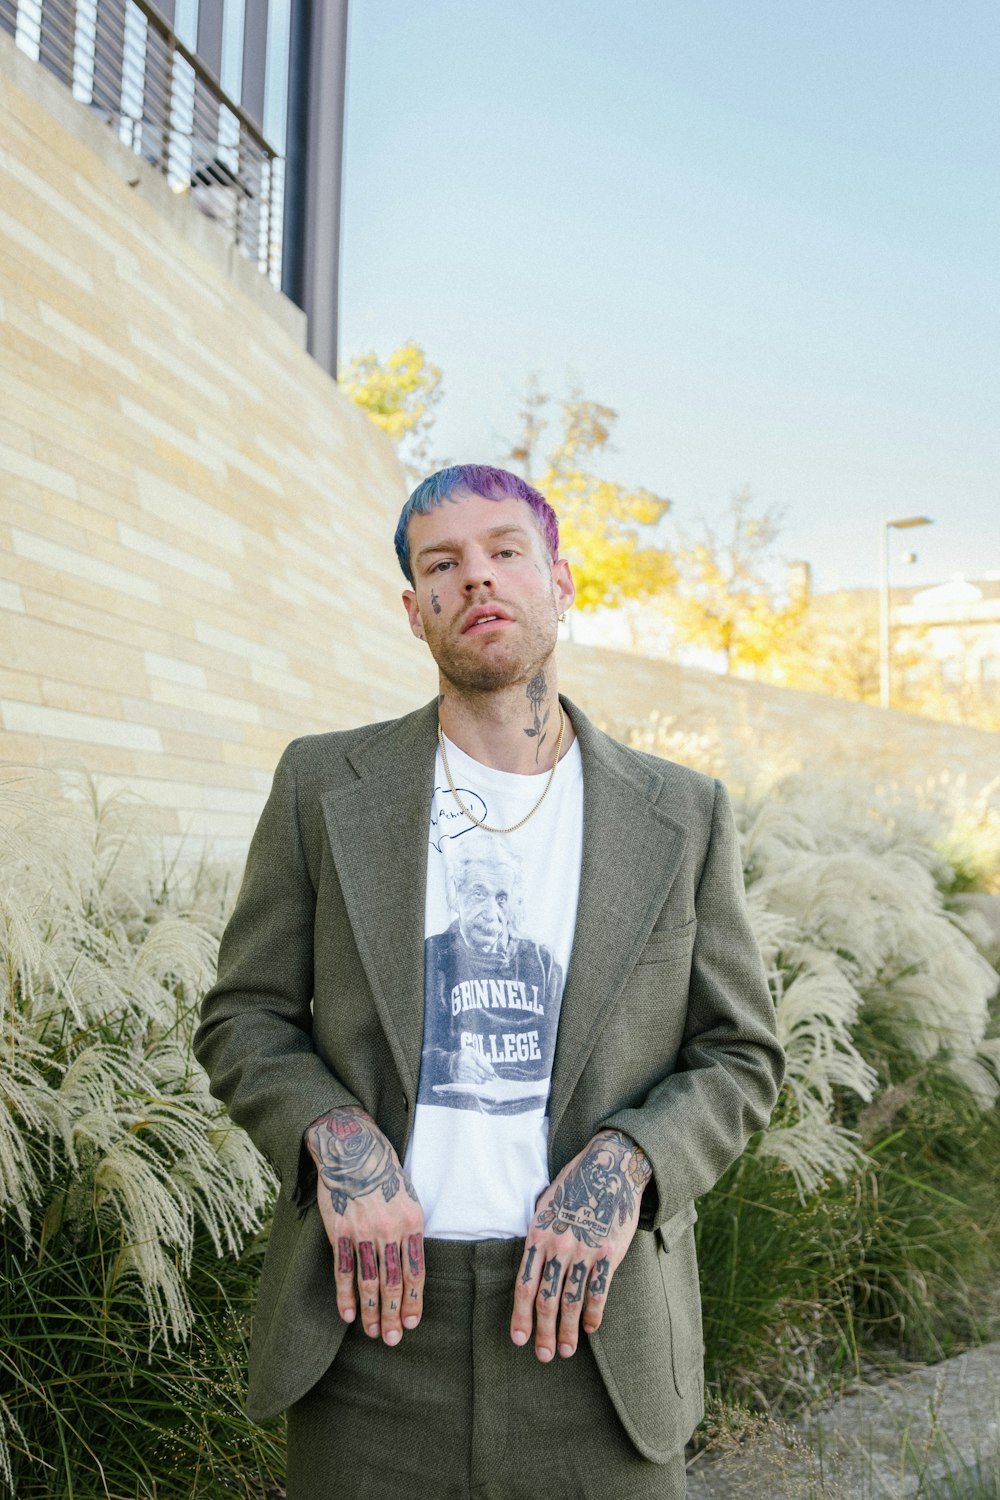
[(485, 897), (486, 595)]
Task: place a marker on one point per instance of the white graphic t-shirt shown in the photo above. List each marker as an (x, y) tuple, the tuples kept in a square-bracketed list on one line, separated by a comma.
[(499, 922)]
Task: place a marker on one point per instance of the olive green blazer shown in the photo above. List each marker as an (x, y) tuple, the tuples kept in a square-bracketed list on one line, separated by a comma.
[(666, 1030)]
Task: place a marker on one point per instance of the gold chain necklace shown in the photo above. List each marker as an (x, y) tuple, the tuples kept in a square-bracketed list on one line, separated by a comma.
[(471, 815)]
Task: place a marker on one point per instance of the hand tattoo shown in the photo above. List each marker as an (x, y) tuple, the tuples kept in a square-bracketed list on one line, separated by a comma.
[(393, 1270), (575, 1282), (536, 690), (415, 1254), (345, 1256), (603, 1188), (369, 1265), (355, 1158), (526, 1277), (551, 1274)]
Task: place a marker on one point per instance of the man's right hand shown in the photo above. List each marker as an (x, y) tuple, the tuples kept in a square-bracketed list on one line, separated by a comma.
[(373, 1221)]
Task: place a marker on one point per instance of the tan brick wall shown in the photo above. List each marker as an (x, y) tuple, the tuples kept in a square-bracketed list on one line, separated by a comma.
[(195, 525)]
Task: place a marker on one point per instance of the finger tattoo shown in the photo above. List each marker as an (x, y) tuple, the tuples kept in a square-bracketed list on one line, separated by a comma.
[(415, 1254), (526, 1277), (345, 1256), (369, 1265), (575, 1282), (393, 1270), (599, 1277), (551, 1274)]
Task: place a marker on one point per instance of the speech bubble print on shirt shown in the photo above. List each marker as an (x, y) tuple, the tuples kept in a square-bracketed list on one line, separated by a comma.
[(451, 822)]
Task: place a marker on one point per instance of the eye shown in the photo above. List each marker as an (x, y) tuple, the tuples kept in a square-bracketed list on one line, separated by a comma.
[(507, 552), (440, 567)]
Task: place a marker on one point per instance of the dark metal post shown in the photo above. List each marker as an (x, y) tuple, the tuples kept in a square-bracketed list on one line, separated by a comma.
[(315, 152), (296, 156), (254, 60), (210, 35)]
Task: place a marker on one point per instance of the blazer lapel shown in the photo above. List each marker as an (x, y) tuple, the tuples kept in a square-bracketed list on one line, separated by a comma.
[(631, 853), (378, 828)]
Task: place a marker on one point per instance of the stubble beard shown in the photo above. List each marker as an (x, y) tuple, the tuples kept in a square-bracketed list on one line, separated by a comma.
[(474, 674)]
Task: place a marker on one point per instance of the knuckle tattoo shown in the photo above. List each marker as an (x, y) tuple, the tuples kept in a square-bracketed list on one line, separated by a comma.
[(550, 1279), (599, 1277), (575, 1283), (393, 1270)]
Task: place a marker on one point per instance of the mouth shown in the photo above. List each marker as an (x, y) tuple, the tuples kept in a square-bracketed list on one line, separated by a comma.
[(481, 620)]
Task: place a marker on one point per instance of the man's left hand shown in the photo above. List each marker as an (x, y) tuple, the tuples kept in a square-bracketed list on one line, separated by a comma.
[(581, 1228)]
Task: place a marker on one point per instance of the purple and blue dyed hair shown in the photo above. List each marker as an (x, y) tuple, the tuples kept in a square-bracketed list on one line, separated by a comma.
[(473, 479)]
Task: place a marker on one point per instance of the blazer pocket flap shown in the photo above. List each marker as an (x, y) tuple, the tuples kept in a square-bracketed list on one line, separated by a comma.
[(668, 942), (671, 1229)]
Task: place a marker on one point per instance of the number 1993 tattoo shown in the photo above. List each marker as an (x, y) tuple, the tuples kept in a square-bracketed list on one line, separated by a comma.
[(603, 1188)]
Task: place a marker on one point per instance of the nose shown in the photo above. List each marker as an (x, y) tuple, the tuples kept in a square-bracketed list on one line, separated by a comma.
[(478, 570)]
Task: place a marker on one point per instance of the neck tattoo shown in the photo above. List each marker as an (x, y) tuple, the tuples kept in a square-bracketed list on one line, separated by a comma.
[(486, 827)]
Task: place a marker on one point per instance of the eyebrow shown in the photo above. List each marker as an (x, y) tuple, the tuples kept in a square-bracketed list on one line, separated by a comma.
[(512, 529)]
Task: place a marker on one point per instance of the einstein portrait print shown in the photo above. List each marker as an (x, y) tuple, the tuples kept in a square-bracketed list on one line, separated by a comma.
[(492, 989), (499, 919)]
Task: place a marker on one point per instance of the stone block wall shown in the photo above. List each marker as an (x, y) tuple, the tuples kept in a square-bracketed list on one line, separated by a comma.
[(195, 525), (769, 730)]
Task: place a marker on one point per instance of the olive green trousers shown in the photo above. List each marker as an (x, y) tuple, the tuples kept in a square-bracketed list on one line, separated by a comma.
[(457, 1411)]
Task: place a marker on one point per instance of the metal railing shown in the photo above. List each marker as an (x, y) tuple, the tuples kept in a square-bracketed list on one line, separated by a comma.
[(120, 58)]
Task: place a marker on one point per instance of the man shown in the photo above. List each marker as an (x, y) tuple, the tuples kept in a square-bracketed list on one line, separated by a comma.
[(656, 1060)]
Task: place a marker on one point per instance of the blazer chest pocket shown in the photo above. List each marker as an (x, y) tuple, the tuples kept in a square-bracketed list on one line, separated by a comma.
[(669, 944)]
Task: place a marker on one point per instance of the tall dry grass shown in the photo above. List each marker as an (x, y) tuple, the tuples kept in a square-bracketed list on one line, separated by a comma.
[(126, 1195), (864, 1224)]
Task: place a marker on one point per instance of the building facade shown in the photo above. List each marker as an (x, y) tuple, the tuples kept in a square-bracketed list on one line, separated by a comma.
[(240, 103)]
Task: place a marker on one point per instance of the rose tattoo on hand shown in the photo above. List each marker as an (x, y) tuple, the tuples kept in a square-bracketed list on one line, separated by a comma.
[(355, 1159)]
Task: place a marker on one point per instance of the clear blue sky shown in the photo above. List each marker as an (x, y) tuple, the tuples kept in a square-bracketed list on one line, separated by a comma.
[(766, 231)]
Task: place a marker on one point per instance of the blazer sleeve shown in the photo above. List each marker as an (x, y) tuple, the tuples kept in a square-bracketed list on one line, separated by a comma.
[(695, 1122), (255, 1037)]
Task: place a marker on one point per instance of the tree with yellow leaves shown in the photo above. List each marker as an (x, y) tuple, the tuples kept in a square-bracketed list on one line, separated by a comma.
[(723, 600), (400, 397), (605, 528)]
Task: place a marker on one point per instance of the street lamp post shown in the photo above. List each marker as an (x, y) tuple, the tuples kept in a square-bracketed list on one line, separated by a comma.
[(884, 659)]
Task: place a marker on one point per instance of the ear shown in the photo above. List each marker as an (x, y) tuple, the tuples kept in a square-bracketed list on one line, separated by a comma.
[(562, 579), (413, 614)]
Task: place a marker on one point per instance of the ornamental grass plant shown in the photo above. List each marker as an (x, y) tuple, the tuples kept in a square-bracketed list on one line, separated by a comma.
[(861, 1230), (131, 1208)]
